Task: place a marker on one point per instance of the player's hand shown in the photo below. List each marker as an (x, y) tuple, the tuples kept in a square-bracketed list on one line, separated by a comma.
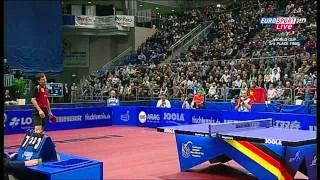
[(32, 162), (41, 114)]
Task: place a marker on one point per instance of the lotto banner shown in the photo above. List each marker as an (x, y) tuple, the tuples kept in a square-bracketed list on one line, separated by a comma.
[(19, 121)]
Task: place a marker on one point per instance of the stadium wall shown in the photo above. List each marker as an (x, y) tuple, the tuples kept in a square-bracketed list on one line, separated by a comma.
[(142, 34)]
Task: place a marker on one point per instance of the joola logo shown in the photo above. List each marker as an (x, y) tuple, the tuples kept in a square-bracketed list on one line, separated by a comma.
[(273, 141), (174, 116)]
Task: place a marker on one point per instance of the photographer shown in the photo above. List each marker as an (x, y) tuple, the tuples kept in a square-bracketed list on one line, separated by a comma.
[(243, 104)]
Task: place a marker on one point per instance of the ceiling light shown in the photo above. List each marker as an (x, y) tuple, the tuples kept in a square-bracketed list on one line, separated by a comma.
[(172, 10), (157, 8), (140, 5), (218, 5)]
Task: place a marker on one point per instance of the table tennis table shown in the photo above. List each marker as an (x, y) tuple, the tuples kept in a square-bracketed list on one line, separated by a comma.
[(265, 151)]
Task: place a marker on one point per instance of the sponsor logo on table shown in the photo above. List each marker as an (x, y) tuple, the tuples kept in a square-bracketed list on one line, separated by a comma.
[(314, 161), (273, 141), (188, 149), (27, 155), (296, 157), (125, 117), (25, 122), (168, 130), (312, 128), (287, 124)]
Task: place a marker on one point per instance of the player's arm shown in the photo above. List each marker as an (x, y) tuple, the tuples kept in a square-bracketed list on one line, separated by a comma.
[(49, 108)]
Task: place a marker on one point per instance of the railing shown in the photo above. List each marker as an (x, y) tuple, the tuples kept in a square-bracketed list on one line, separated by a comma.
[(198, 37), (216, 94), (187, 36), (116, 59), (8, 80)]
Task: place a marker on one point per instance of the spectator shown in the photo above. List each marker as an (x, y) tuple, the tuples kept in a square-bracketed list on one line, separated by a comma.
[(113, 100), (198, 99), (243, 104), (188, 102), (163, 102)]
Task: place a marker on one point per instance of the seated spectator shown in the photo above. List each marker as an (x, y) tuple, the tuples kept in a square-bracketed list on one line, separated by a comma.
[(113, 100), (187, 102), (198, 99), (271, 93), (163, 102), (243, 104)]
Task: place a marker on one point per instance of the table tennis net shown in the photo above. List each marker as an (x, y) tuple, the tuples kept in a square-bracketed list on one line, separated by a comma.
[(214, 129)]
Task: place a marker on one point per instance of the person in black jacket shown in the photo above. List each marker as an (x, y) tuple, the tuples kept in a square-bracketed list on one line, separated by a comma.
[(16, 168)]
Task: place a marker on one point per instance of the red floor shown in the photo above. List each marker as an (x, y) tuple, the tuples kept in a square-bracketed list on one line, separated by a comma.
[(141, 153)]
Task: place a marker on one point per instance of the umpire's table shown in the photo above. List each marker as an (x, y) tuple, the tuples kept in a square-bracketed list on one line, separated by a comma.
[(265, 151)]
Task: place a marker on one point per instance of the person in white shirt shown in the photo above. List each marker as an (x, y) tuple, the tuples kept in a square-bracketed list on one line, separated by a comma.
[(113, 100), (188, 102), (163, 102), (271, 93)]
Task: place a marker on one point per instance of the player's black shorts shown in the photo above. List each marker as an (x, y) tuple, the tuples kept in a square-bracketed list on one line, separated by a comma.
[(37, 120)]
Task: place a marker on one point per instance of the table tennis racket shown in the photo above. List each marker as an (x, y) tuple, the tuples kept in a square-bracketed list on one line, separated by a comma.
[(53, 118)]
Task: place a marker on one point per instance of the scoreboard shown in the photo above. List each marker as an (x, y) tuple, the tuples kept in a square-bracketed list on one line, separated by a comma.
[(35, 146), (55, 89)]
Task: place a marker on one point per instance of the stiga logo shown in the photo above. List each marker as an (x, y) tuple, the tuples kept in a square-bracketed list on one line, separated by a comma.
[(174, 116), (15, 121), (142, 117), (273, 141)]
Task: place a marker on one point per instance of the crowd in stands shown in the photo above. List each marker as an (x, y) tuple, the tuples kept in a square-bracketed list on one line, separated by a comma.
[(234, 55)]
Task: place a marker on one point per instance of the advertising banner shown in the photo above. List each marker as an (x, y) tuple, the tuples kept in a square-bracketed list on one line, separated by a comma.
[(20, 121), (124, 20), (124, 115)]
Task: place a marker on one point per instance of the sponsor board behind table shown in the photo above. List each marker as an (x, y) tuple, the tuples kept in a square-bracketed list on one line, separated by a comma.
[(19, 121)]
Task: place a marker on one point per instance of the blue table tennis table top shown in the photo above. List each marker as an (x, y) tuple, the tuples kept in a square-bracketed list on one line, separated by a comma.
[(287, 135)]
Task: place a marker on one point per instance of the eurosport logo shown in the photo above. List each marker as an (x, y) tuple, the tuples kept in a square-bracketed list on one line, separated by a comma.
[(283, 23), (273, 141), (173, 116), (15, 121), (283, 20), (143, 117)]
